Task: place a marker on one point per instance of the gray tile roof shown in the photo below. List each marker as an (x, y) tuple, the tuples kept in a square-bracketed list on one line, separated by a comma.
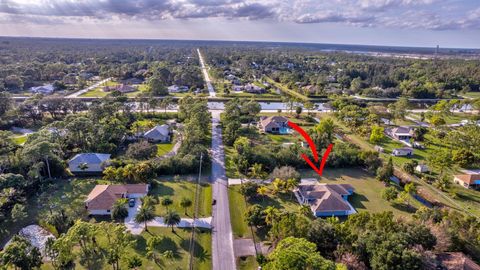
[(89, 158), (158, 132)]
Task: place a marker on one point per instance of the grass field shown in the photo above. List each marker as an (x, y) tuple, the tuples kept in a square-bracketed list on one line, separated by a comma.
[(163, 148), (238, 209), (176, 190), (247, 263), (472, 94), (19, 139), (178, 242)]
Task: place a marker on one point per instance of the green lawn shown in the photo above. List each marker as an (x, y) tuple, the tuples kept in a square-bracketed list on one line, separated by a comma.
[(163, 148), (238, 209), (454, 118), (19, 139), (472, 94), (247, 263), (176, 190), (178, 242)]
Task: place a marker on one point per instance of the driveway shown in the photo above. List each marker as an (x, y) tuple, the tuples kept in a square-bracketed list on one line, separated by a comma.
[(137, 228), (222, 237), (83, 91)]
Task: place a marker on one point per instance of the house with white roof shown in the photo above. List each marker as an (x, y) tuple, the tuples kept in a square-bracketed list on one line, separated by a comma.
[(44, 89)]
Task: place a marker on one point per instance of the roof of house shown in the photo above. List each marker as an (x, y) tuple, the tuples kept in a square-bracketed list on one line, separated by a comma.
[(403, 149), (158, 132), (468, 178), (104, 196), (273, 119), (327, 197), (402, 130), (456, 261), (89, 158), (43, 88)]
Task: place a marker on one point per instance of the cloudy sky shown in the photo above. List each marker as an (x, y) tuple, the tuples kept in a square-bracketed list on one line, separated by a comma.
[(449, 23)]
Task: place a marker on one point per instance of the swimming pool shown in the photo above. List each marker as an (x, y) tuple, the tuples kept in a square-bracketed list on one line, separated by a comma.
[(285, 130)]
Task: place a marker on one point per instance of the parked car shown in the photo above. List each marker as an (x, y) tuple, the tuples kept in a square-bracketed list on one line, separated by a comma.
[(214, 202), (131, 202)]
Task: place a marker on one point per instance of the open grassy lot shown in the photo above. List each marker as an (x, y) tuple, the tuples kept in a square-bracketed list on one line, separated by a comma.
[(454, 118), (178, 242), (98, 91), (238, 208), (472, 94), (164, 148), (20, 139), (176, 190), (247, 263), (367, 196)]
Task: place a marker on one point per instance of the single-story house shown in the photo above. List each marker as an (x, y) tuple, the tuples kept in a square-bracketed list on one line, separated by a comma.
[(88, 163), (123, 88), (254, 89), (158, 134), (273, 124), (402, 133), (237, 88), (102, 197), (44, 89), (469, 180), (177, 89), (422, 168), (326, 200), (402, 152)]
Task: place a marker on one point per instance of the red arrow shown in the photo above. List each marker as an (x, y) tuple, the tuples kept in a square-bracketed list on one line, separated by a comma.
[(313, 148)]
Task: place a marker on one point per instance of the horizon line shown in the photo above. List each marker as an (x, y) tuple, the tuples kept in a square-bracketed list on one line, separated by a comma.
[(247, 41)]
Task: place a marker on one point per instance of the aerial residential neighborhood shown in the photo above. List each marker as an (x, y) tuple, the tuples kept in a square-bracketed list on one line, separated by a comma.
[(275, 135)]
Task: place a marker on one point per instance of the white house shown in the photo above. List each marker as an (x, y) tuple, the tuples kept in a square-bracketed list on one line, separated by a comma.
[(422, 168), (402, 152), (177, 89), (158, 134), (102, 197), (44, 89), (402, 133), (468, 180), (88, 163)]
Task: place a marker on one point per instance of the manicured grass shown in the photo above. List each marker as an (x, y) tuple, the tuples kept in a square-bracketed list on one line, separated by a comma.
[(454, 118), (472, 94), (286, 90), (247, 263), (164, 148), (177, 190), (178, 242), (19, 139), (97, 92), (367, 196), (238, 208)]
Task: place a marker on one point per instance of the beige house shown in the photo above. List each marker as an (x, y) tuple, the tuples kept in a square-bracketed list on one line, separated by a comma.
[(102, 197), (468, 180), (274, 124)]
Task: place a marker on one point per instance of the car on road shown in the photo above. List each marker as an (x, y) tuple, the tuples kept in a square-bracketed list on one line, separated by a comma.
[(131, 202), (214, 202)]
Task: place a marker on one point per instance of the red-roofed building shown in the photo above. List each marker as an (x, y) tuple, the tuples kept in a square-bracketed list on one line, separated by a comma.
[(102, 197)]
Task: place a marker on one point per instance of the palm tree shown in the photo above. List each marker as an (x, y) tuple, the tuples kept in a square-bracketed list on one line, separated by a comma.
[(148, 200), (172, 219), (185, 203), (271, 214), (262, 191), (256, 171), (166, 202), (145, 213), (119, 209)]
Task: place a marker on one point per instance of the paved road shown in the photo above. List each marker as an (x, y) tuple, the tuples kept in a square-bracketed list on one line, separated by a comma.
[(211, 91), (83, 91), (222, 237)]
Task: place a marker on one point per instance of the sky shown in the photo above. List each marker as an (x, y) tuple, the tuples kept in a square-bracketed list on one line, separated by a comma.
[(424, 23)]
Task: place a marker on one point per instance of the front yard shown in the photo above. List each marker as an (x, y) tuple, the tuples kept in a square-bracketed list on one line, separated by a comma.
[(176, 190)]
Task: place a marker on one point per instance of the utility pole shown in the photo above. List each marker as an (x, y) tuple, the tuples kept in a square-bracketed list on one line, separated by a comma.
[(195, 212)]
